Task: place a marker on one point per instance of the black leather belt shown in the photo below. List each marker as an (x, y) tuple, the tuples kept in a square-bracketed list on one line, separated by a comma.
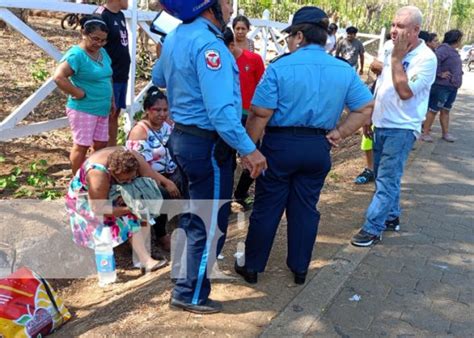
[(196, 131), (297, 130)]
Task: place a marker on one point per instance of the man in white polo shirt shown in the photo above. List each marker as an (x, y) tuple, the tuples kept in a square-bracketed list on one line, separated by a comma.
[(401, 101)]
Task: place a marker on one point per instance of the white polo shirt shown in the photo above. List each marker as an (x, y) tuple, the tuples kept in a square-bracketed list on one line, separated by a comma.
[(390, 111)]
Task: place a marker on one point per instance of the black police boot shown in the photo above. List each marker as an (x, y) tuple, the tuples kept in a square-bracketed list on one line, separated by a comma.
[(211, 306), (300, 277), (249, 276)]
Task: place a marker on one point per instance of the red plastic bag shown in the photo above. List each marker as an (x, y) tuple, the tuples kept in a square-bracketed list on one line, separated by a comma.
[(29, 307)]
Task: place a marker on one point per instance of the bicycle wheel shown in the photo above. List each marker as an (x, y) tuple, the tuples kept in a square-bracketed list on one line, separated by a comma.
[(70, 21)]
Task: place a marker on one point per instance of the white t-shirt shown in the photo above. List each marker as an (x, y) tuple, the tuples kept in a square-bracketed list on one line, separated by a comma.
[(390, 110), (330, 42)]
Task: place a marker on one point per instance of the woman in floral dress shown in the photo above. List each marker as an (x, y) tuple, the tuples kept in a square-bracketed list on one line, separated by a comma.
[(149, 137), (88, 207)]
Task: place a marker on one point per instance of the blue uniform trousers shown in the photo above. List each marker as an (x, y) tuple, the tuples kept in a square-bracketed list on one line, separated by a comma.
[(297, 168), (208, 183)]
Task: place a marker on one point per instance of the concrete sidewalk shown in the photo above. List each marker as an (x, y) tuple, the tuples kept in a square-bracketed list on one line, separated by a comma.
[(419, 281)]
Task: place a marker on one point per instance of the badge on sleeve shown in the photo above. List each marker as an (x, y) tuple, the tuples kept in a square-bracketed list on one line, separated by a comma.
[(213, 59)]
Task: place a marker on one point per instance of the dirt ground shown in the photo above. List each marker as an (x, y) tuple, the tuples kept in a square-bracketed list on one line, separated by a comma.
[(139, 304)]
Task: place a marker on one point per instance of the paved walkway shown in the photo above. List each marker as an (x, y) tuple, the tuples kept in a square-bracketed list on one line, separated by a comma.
[(419, 282)]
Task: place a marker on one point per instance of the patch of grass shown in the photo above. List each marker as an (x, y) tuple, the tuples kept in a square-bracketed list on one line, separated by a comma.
[(39, 73), (335, 177), (38, 183)]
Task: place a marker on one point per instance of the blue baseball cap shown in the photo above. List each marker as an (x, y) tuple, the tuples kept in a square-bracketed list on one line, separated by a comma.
[(310, 15)]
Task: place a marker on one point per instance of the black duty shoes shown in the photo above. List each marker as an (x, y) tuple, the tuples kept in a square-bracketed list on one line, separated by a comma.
[(365, 239), (209, 307), (249, 276), (300, 277)]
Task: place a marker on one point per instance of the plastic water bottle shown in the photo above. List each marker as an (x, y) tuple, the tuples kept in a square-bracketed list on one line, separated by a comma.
[(104, 258), (240, 254)]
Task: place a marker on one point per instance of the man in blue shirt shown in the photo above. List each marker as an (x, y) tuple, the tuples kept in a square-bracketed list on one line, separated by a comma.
[(202, 81), (299, 102)]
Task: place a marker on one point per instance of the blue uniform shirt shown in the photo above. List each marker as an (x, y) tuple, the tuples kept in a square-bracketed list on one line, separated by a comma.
[(309, 88), (202, 81)]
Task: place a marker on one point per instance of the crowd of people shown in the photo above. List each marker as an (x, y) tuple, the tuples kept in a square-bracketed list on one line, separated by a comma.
[(441, 98), (222, 107)]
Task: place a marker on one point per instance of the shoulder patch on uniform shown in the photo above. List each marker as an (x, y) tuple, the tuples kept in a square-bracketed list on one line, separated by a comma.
[(213, 59), (99, 10), (279, 57)]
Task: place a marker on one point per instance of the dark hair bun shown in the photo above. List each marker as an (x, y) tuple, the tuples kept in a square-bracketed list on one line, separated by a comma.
[(152, 95)]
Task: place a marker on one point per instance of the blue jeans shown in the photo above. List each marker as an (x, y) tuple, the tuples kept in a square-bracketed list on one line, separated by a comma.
[(120, 94), (391, 150), (441, 97)]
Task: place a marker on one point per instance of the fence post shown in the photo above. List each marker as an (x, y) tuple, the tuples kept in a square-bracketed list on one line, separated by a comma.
[(235, 8), (132, 44), (265, 16), (381, 42)]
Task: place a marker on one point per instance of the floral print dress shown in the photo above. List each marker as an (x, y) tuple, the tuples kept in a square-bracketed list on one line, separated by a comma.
[(155, 148), (85, 225)]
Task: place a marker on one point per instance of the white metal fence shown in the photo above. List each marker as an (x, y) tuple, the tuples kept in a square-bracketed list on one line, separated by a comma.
[(9, 127), (266, 32)]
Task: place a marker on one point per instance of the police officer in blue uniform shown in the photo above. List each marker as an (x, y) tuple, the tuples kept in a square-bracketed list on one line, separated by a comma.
[(202, 81), (299, 102)]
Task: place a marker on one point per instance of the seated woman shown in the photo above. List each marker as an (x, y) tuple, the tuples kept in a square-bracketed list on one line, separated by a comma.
[(149, 137), (87, 201)]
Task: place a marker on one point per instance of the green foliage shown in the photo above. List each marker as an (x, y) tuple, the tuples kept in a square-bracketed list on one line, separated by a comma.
[(463, 11), (50, 194), (22, 193), (138, 115), (38, 183), (144, 65), (39, 71), (10, 181), (121, 134), (38, 177), (334, 176)]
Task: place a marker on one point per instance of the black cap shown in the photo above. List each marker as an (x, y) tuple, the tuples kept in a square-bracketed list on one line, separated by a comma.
[(309, 14)]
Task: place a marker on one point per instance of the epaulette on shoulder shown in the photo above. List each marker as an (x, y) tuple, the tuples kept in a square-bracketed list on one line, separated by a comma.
[(279, 57)]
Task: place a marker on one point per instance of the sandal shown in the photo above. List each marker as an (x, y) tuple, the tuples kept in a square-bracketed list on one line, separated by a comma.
[(449, 138), (427, 138), (160, 264)]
